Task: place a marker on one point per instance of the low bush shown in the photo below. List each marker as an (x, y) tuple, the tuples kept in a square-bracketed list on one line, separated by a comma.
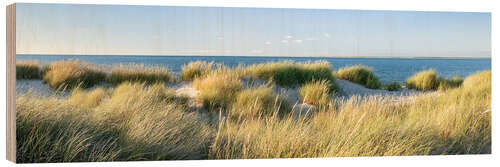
[(196, 69), (140, 73), (361, 75), (27, 70), (72, 73), (316, 92), (217, 90)]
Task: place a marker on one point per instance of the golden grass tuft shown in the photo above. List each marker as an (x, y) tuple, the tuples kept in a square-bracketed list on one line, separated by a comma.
[(87, 99), (361, 75), (258, 102), (316, 92), (72, 73), (140, 73), (196, 69), (217, 91)]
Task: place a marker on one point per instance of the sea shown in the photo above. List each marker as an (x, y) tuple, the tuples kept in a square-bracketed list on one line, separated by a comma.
[(387, 69)]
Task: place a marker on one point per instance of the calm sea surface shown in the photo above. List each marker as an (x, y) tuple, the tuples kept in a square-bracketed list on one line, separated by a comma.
[(387, 69)]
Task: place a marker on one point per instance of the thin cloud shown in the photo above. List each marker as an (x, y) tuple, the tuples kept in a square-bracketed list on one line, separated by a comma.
[(298, 41), (327, 35), (268, 43), (284, 41), (288, 36)]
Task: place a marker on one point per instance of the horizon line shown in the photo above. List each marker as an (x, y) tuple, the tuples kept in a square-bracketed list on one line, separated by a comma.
[(413, 57)]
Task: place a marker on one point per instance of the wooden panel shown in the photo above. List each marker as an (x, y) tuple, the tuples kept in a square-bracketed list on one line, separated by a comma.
[(11, 83)]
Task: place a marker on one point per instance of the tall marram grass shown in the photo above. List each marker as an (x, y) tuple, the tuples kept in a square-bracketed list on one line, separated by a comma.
[(196, 69), (217, 90), (137, 122), (140, 73), (28, 70), (316, 92), (73, 73), (289, 73), (360, 74), (258, 102), (87, 99), (457, 122)]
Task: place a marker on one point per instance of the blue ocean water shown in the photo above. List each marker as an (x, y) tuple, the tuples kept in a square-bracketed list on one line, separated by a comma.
[(387, 69)]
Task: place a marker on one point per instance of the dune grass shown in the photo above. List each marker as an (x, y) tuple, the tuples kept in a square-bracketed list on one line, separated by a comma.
[(87, 99), (361, 75), (196, 69), (316, 92), (428, 80), (137, 122), (458, 122), (217, 90), (140, 73), (289, 73), (258, 102), (445, 83), (28, 70), (148, 121), (73, 73)]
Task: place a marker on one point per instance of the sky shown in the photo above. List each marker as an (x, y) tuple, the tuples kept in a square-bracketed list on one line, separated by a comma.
[(213, 31)]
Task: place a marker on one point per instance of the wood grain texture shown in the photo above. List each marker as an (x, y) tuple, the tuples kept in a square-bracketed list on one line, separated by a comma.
[(11, 83)]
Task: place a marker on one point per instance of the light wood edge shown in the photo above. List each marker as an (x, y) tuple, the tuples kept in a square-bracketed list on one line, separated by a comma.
[(11, 83)]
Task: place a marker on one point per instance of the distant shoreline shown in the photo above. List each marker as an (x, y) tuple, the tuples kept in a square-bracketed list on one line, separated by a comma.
[(260, 56)]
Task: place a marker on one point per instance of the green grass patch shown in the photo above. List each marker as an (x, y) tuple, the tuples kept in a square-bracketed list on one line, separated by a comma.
[(361, 75), (289, 73), (393, 86), (428, 80), (28, 70)]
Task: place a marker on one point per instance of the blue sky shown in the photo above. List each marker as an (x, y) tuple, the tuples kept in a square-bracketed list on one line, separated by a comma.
[(163, 30)]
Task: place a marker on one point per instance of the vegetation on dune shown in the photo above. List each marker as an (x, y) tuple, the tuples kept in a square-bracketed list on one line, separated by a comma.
[(445, 83), (458, 122), (217, 90), (393, 86), (258, 102), (196, 69), (428, 80), (140, 73), (137, 122), (316, 92), (73, 73), (87, 99), (289, 73), (361, 75), (28, 70), (141, 119)]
